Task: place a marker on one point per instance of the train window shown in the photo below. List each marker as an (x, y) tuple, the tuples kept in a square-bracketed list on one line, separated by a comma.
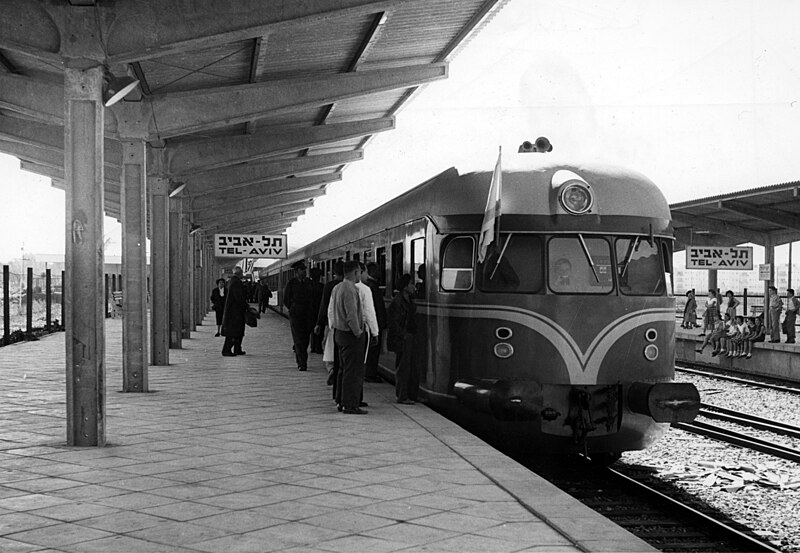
[(457, 263), (397, 264), (579, 265), (513, 265), (380, 259), (640, 270), (418, 265)]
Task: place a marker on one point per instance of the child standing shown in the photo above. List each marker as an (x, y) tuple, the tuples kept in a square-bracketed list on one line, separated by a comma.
[(711, 316)]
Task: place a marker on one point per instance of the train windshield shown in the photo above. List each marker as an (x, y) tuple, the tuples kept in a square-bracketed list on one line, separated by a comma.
[(512, 265), (580, 265), (639, 268)]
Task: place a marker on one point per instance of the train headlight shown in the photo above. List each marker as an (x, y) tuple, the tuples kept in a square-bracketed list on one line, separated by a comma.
[(651, 334), (576, 198), (503, 350), (651, 352)]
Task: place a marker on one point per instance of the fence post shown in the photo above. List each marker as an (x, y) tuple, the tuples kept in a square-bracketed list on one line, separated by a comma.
[(114, 282), (63, 293), (106, 289), (744, 302), (6, 305), (48, 301), (29, 302)]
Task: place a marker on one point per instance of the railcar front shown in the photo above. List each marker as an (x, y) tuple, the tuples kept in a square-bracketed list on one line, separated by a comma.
[(562, 336)]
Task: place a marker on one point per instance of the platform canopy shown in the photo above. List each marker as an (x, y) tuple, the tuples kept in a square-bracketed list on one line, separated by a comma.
[(251, 107), (767, 216)]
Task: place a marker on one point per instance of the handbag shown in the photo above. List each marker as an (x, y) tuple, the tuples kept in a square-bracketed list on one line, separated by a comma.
[(251, 317)]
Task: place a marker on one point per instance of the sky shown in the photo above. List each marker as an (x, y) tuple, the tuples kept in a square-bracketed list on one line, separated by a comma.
[(702, 97)]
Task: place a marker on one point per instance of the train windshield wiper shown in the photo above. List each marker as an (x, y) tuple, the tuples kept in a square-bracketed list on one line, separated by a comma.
[(499, 257), (588, 257), (628, 257)]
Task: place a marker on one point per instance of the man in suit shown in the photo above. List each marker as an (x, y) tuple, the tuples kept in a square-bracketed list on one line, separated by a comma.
[(298, 298), (234, 315), (322, 324)]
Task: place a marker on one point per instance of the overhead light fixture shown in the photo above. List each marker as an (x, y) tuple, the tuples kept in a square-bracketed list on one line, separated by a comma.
[(177, 190), (194, 228), (116, 88)]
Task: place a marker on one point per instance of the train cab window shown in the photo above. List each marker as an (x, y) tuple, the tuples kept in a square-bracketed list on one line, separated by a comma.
[(418, 270), (380, 259), (640, 270), (457, 259), (397, 264), (579, 265), (512, 265)]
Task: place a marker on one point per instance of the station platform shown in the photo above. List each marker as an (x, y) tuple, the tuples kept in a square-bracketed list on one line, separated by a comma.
[(246, 453), (780, 360)]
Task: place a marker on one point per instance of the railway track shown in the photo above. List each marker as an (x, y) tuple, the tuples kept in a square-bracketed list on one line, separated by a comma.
[(792, 389), (668, 520)]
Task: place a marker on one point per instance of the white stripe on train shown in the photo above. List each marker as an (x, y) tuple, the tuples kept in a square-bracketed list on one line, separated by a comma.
[(583, 366)]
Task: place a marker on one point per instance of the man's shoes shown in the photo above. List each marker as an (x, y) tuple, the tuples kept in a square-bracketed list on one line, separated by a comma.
[(774, 341), (405, 401), (227, 354), (302, 369), (699, 351), (702, 334), (790, 341), (375, 379), (363, 404), (354, 411), (239, 353), (339, 407), (217, 334)]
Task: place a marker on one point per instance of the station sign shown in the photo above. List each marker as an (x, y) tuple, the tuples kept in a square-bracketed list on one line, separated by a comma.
[(259, 246), (727, 258)]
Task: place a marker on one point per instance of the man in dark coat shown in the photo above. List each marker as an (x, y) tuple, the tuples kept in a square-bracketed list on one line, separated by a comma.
[(234, 315), (374, 350), (402, 327), (298, 299)]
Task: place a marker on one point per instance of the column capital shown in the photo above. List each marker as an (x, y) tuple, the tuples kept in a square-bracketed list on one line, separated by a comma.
[(133, 120)]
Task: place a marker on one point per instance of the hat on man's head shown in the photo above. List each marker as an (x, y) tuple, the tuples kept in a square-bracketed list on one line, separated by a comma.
[(299, 265)]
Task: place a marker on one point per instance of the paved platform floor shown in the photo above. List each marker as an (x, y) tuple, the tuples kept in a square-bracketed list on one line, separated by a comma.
[(246, 454)]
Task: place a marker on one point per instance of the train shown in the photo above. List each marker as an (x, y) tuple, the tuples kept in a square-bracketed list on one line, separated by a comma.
[(561, 340)]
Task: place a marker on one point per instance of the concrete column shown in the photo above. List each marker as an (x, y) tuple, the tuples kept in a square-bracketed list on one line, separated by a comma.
[(159, 269), (187, 317), (712, 280), (83, 293), (134, 267), (175, 275), (769, 258)]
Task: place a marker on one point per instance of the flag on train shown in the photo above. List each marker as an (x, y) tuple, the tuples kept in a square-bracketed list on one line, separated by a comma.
[(491, 216)]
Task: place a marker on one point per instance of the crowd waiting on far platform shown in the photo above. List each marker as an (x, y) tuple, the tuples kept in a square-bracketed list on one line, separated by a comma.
[(733, 335), (344, 319)]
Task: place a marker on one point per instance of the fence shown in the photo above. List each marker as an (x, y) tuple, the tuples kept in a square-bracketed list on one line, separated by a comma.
[(33, 304), (750, 304)]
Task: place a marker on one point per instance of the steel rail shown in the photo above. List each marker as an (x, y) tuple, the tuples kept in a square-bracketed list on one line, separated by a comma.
[(747, 542), (739, 439), (711, 411), (790, 389)]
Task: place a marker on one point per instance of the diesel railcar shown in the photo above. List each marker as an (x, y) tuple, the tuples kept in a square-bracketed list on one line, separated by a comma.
[(562, 339)]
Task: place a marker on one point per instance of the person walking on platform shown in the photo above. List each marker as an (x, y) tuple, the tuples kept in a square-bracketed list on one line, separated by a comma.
[(317, 289), (331, 354), (775, 304), (297, 298), (402, 327), (218, 303), (792, 305), (373, 351), (346, 318), (264, 294), (234, 315)]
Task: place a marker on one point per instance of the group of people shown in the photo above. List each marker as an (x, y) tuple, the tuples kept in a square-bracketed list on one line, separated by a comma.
[(733, 335), (347, 316)]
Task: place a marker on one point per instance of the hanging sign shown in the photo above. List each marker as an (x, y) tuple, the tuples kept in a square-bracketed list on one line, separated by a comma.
[(729, 258), (263, 246), (765, 271)]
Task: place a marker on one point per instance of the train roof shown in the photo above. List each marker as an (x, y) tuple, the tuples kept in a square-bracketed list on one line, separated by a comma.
[(449, 198)]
